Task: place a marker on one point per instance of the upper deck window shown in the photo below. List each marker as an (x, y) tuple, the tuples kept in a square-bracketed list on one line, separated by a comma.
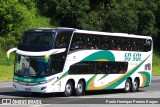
[(37, 39)]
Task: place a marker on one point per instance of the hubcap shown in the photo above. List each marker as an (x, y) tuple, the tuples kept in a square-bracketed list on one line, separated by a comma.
[(80, 89), (127, 86), (135, 85), (68, 88)]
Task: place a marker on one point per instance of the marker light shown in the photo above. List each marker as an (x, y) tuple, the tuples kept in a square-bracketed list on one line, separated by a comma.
[(53, 51), (8, 53)]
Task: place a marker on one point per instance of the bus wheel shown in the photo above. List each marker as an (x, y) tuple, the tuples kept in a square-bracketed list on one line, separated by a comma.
[(135, 85), (128, 86), (80, 89), (68, 89)]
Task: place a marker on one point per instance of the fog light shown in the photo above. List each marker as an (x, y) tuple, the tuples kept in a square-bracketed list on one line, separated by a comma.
[(43, 88)]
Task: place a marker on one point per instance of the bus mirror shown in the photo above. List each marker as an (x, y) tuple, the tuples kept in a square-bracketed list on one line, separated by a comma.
[(8, 53), (53, 51)]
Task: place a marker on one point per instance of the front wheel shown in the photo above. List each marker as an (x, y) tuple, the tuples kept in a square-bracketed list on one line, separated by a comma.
[(68, 89), (80, 89), (128, 86)]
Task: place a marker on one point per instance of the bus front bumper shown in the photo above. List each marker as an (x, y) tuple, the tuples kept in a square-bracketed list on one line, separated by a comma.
[(41, 88)]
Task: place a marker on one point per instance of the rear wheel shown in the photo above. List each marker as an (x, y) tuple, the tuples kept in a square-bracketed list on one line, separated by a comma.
[(80, 88), (128, 86), (68, 89), (135, 85)]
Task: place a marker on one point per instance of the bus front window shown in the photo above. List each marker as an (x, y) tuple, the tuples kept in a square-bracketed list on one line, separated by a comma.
[(37, 39), (31, 67)]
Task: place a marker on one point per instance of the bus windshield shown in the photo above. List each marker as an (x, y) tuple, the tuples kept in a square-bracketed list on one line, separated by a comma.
[(31, 67), (37, 39)]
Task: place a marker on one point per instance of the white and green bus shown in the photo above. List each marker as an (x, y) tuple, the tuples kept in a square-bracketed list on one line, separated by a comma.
[(73, 61)]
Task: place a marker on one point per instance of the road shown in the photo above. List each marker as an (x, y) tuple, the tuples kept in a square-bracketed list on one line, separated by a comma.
[(94, 97)]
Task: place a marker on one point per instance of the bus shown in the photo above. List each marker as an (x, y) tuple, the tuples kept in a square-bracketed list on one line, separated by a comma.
[(73, 61)]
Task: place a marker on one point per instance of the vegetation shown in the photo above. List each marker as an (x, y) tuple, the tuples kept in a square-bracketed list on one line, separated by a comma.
[(140, 17)]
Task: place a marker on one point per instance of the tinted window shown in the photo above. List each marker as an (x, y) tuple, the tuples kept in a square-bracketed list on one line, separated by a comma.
[(98, 67), (37, 39), (78, 42), (104, 42), (63, 40), (147, 44), (56, 66), (92, 42), (85, 41)]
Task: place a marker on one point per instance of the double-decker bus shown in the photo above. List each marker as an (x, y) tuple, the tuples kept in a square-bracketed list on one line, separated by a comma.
[(73, 61)]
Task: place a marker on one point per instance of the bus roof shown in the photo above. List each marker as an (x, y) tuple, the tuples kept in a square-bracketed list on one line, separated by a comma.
[(112, 34), (60, 29)]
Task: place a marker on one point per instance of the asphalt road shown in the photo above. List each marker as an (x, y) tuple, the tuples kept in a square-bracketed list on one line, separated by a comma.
[(93, 97)]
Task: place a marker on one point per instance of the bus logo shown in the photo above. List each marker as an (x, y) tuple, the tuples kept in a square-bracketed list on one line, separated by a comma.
[(132, 57)]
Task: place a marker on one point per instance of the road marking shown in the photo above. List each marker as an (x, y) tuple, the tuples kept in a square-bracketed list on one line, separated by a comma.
[(6, 87), (137, 93), (156, 92)]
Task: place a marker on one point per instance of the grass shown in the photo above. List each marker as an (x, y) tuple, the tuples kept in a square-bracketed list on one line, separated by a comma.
[(6, 71), (156, 64), (6, 67)]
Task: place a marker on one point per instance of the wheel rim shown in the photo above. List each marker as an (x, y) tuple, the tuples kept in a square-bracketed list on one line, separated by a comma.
[(135, 85), (68, 89), (127, 86), (80, 88)]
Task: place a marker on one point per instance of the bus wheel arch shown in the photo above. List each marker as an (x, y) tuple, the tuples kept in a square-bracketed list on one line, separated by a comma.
[(80, 89), (128, 85), (69, 88), (135, 85)]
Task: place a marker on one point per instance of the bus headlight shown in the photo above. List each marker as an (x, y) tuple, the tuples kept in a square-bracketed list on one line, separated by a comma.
[(46, 81), (15, 80)]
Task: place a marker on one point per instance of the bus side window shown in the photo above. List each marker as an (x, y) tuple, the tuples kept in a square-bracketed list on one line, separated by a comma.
[(61, 43), (77, 42), (113, 44), (57, 66), (92, 42), (63, 40), (147, 45), (133, 45), (126, 44), (105, 43), (118, 44)]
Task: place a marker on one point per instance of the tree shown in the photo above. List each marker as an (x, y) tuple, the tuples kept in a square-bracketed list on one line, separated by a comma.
[(11, 15), (17, 16)]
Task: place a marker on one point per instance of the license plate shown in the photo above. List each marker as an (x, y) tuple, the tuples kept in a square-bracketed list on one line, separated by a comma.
[(27, 89)]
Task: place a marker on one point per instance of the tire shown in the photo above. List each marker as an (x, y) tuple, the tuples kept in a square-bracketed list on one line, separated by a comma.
[(80, 89), (68, 89), (135, 85), (128, 86)]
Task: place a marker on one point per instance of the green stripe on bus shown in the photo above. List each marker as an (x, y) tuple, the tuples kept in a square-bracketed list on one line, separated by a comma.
[(29, 80), (146, 78), (103, 76), (125, 76), (113, 84), (100, 55), (65, 74)]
